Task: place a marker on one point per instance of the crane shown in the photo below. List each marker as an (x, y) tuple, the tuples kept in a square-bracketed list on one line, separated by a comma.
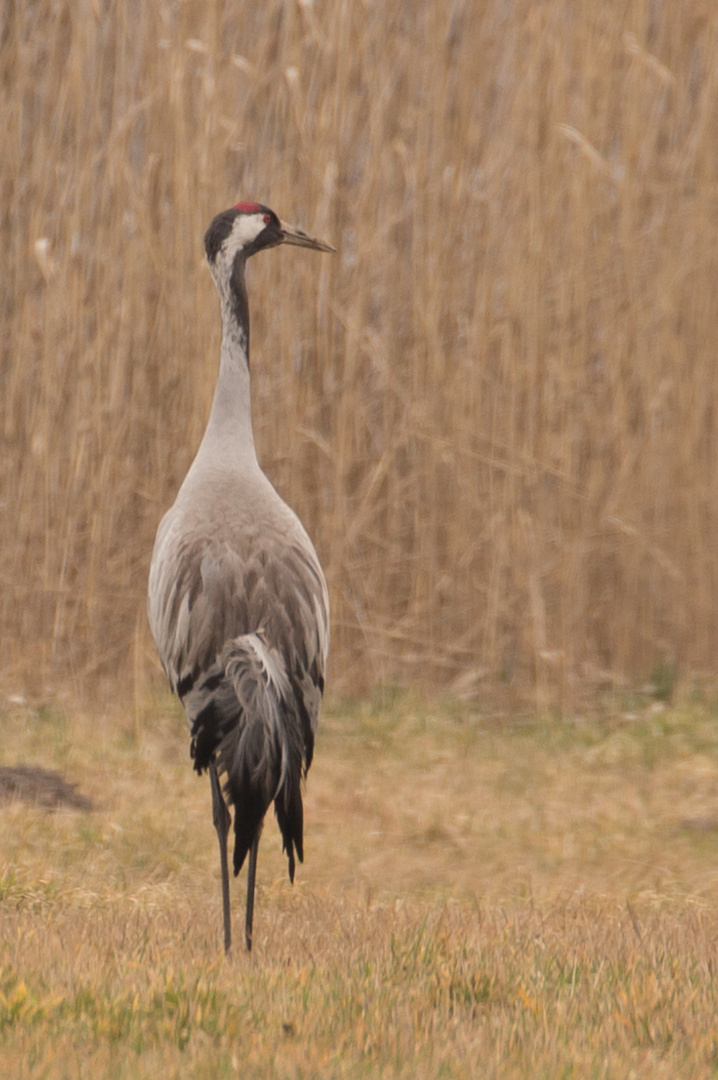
[(237, 600)]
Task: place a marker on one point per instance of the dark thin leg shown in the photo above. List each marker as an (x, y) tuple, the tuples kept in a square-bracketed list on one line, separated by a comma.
[(221, 819), (251, 878)]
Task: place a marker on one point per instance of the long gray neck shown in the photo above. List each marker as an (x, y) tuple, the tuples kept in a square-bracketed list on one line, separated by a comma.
[(229, 437)]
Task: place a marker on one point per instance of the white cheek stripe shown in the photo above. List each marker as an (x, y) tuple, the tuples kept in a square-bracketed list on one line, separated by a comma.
[(246, 228)]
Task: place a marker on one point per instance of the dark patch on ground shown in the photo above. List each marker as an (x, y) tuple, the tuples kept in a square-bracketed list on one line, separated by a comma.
[(700, 824), (44, 787)]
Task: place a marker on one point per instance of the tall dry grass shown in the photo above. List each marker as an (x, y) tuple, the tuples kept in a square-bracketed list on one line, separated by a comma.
[(494, 408)]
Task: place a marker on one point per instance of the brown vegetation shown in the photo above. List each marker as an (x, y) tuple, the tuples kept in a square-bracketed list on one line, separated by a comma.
[(514, 900), (494, 408)]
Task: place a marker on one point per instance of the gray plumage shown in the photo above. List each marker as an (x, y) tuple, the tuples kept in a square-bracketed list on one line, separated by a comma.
[(238, 603)]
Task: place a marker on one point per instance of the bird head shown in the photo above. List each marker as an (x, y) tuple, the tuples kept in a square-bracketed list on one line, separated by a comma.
[(249, 227)]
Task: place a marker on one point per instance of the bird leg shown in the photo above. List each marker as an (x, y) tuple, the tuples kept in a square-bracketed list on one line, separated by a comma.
[(221, 819), (251, 878)]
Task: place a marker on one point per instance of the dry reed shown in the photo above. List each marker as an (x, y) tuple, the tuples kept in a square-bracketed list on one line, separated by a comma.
[(494, 408)]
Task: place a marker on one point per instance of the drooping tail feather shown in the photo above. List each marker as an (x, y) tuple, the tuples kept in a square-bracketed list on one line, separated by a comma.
[(245, 716)]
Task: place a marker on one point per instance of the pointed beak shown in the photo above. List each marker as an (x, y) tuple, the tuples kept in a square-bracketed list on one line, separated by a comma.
[(291, 235)]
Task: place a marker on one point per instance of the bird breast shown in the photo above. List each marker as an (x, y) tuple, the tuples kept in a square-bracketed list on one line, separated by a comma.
[(256, 569)]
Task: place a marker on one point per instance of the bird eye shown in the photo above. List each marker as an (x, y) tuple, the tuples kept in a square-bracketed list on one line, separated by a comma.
[(267, 219)]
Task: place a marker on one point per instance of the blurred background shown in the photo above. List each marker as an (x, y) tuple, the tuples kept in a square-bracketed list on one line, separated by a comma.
[(494, 408)]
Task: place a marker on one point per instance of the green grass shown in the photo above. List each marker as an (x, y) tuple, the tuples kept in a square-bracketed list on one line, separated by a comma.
[(482, 896)]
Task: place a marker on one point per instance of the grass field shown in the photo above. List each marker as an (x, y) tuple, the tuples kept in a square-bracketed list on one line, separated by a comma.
[(482, 896)]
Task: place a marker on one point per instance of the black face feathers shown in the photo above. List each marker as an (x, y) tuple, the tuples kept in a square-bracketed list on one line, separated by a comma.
[(268, 230), (218, 231)]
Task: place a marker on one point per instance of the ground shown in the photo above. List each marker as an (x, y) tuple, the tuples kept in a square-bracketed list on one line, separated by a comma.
[(483, 895)]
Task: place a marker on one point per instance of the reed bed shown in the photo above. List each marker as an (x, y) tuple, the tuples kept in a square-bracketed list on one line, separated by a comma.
[(494, 408)]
